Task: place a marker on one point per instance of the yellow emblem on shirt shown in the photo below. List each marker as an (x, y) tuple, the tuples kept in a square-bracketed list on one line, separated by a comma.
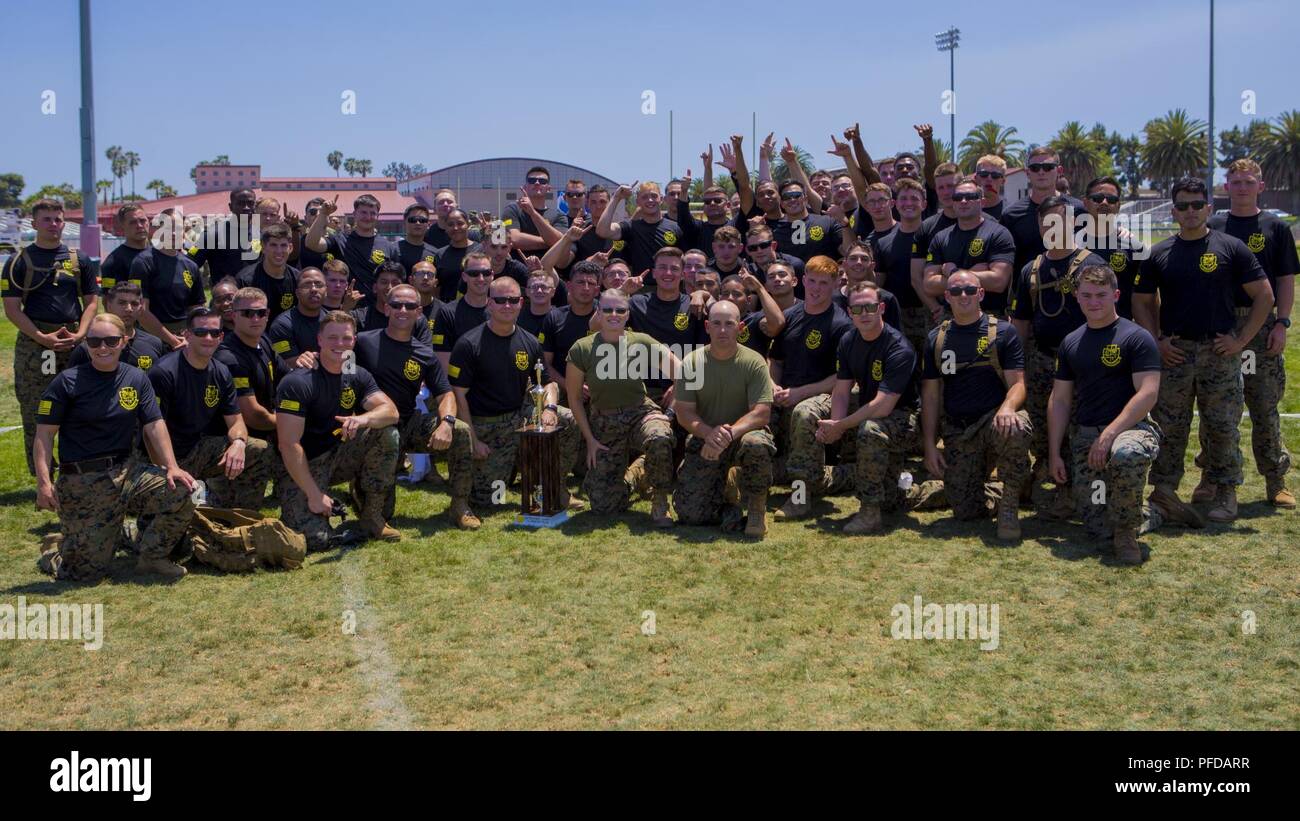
[(1255, 243), (877, 370), (743, 336), (128, 398), (1110, 355), (188, 279), (816, 233), (981, 345), (44, 407), (282, 346), (521, 360), (67, 265), (193, 251), (681, 322), (211, 395), (1118, 262), (329, 257), (1209, 263), (377, 257), (256, 245), (670, 238), (813, 341), (976, 247), (618, 244), (286, 301), (347, 399), (411, 370), (144, 363)]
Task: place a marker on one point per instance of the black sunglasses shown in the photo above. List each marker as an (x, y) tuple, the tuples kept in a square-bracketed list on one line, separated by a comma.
[(404, 306), (1195, 205), (507, 300), (1041, 167), (714, 201), (619, 311), (970, 196), (968, 290), (792, 195), (758, 246), (1100, 198), (418, 220), (538, 180), (209, 332), (110, 341), (997, 175), (478, 274), (573, 195), (870, 308), (254, 313)]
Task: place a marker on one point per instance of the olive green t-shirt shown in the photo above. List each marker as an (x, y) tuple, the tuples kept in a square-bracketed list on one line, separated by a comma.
[(723, 390), (616, 379)]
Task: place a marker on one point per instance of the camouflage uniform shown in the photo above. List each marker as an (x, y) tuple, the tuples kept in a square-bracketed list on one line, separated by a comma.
[(698, 498), (881, 446), (370, 459), (1214, 382), (968, 452), (31, 378), (248, 489), (805, 457), (91, 509), (1040, 376), (1124, 478), (644, 429), (498, 433), (414, 438), (916, 325)]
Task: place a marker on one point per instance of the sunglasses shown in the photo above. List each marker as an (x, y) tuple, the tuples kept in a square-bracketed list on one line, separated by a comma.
[(867, 308), (1100, 198), (538, 180), (968, 290), (479, 274), (507, 300), (404, 306), (254, 313), (311, 212), (967, 197), (792, 195), (417, 220), (1195, 205), (110, 341), (714, 201), (759, 246), (212, 333), (615, 311), (540, 286), (1041, 167), (573, 195), (997, 175)]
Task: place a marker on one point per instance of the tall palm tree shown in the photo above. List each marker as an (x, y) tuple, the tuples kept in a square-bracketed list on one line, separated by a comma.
[(350, 166), (157, 187), (335, 160), (781, 173), (104, 186), (113, 153), (119, 171), (989, 137), (1080, 153), (132, 162), (1174, 148), (1281, 156), (364, 167)]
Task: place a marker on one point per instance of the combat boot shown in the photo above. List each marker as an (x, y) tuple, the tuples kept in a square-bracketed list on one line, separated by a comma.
[(659, 514), (1204, 492), (867, 520), (461, 516), (1126, 546), (637, 478), (1009, 519), (1225, 505), (160, 567), (756, 524), (790, 511), (1278, 495), (376, 528), (840, 479), (1172, 509), (730, 490)]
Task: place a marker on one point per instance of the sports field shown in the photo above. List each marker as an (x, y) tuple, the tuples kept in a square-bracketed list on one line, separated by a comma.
[(608, 623)]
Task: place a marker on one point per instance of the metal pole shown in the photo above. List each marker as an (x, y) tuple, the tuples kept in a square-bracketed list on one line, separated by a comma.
[(1209, 162), (89, 209), (753, 143), (952, 114), (670, 144)]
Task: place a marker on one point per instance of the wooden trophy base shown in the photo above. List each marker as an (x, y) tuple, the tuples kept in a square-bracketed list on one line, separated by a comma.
[(540, 476)]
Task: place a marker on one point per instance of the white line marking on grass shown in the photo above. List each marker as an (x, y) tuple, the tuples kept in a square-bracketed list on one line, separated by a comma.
[(377, 670), (10, 427)]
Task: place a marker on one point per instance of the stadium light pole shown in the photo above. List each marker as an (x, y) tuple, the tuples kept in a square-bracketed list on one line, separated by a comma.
[(948, 41), (89, 209), (1209, 137)]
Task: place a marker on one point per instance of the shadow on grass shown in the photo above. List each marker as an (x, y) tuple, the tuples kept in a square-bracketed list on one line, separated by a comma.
[(121, 571)]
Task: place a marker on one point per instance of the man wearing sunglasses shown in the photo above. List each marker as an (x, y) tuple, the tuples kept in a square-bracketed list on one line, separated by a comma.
[(363, 249), (977, 244), (530, 228), (375, 316), (1123, 252), (802, 233), (699, 235), (490, 369), (412, 248), (142, 348), (247, 354), (972, 394), (878, 360), (207, 432), (991, 174), (293, 334), (1197, 274), (761, 248), (1270, 240), (439, 234), (400, 363), (458, 317), (1042, 166), (272, 274)]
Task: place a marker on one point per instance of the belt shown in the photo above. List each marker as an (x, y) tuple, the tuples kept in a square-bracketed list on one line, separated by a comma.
[(1246, 312), (487, 420), (51, 327), (92, 465), (619, 409)]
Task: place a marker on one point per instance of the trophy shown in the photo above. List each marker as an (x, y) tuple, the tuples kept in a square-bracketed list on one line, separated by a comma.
[(541, 481), (538, 394)]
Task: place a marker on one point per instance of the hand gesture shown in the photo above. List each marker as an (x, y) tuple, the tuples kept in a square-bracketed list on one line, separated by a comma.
[(601, 258), (925, 131), (750, 282), (768, 148), (853, 133), (327, 209), (706, 157), (788, 154), (624, 192), (836, 213), (728, 160), (349, 427), (578, 228), (633, 284), (839, 149), (532, 263), (828, 431)]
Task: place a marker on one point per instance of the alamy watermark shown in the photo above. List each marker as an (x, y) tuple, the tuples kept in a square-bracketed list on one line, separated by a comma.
[(947, 622), (53, 622)]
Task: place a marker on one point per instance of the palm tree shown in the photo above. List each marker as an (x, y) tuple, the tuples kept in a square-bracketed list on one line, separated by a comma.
[(942, 151), (1126, 156), (1280, 158), (335, 160), (989, 137), (350, 166), (104, 186), (158, 187), (1175, 148), (781, 173), (364, 167), (1080, 153), (113, 153), (119, 171), (132, 162)]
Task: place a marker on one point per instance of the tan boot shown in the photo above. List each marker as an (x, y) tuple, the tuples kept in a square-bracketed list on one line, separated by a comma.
[(756, 524), (790, 511), (659, 514), (637, 479), (1009, 519), (1278, 495), (461, 516), (376, 528), (1225, 505), (160, 567), (1126, 547), (1204, 492), (730, 490), (867, 520), (1172, 509)]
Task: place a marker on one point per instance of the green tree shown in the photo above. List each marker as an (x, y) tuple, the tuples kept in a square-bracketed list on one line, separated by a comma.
[(1126, 157), (725, 182), (1237, 143), (1280, 157), (350, 166), (160, 189), (132, 160), (114, 156), (364, 167), (11, 190), (65, 193), (781, 173), (989, 137), (1081, 154), (103, 187), (335, 160), (1174, 148)]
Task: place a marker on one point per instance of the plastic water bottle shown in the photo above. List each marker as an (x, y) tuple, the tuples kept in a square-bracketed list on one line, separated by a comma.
[(199, 496), (904, 481)]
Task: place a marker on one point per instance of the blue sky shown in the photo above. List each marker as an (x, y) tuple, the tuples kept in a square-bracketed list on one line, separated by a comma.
[(441, 83)]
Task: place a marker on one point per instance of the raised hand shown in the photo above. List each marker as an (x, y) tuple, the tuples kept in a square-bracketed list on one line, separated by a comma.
[(706, 157), (788, 154), (925, 131), (853, 133), (728, 160), (768, 148), (838, 148), (329, 208)]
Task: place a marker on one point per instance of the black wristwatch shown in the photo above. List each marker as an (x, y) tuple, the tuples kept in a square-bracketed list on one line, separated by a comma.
[(553, 408), (450, 420), (1284, 321)]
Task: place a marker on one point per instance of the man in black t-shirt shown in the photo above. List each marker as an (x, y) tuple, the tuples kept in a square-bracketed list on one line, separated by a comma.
[(457, 318), (666, 316), (450, 258), (412, 248), (943, 215), (142, 348), (1197, 273), (972, 394), (1042, 168), (530, 228), (293, 334), (567, 325), (976, 243), (335, 425), (227, 245), (801, 233), (170, 280), (639, 239), (272, 274), (247, 354), (364, 250), (1122, 251), (897, 271), (132, 223), (1116, 367), (424, 278)]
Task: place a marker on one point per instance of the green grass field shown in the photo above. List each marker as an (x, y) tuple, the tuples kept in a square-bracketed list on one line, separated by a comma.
[(507, 629)]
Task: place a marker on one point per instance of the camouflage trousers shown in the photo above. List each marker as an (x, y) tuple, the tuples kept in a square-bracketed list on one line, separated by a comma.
[(413, 436), (248, 489), (882, 444), (1117, 501), (370, 458), (1264, 387), (698, 498), (1213, 382), (638, 429), (498, 433), (969, 451), (34, 370), (91, 509), (805, 457), (916, 326)]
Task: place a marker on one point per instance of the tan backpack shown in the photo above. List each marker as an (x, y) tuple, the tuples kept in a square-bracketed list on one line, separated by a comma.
[(238, 540)]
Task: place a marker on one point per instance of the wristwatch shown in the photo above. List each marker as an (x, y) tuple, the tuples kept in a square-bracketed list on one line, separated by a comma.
[(1284, 321), (553, 408), (450, 420)]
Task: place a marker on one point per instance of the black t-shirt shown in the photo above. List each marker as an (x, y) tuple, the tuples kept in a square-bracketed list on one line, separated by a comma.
[(363, 256), (588, 244), (293, 333), (318, 396), (399, 368), (193, 401), (561, 329), (57, 294), (436, 236), (280, 293), (752, 336), (971, 387), (987, 243), (532, 322), (893, 252), (171, 284), (514, 217), (893, 316), (807, 344), (668, 321), (1269, 239), (821, 235), (409, 254), (223, 249), (251, 369), (1021, 219), (1058, 313), (372, 319), (141, 351), (930, 227), (1102, 361), (307, 258), (98, 413), (1121, 252), (450, 262), (885, 363), (454, 320), (117, 266), (1198, 282), (697, 235), (495, 369), (994, 212), (639, 240)]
